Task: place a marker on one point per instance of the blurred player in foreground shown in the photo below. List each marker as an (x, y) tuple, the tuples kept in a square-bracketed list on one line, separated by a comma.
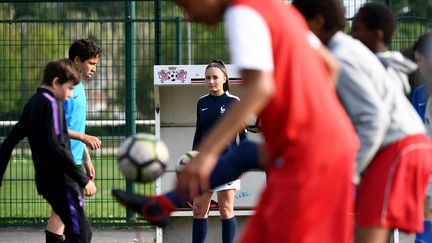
[(310, 142), (394, 160)]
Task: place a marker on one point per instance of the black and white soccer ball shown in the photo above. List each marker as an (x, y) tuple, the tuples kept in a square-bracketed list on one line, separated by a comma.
[(142, 157), (184, 160), (173, 76)]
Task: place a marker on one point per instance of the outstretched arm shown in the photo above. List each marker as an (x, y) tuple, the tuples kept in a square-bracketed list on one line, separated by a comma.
[(17, 133)]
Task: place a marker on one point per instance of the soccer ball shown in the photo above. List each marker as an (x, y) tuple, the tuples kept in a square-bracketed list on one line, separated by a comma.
[(184, 160), (142, 157)]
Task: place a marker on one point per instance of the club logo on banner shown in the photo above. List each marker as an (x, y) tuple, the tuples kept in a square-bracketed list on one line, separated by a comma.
[(172, 75), (187, 74)]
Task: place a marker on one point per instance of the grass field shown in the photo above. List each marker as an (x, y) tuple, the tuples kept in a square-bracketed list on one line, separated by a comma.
[(20, 204)]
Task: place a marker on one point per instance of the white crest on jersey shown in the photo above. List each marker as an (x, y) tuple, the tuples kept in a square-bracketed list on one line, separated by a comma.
[(222, 109)]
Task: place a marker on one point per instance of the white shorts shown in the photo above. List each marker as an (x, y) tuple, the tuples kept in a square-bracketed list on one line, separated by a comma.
[(227, 186)]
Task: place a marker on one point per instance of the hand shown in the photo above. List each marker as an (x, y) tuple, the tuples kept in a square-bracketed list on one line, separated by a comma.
[(194, 179), (90, 171), (90, 189), (92, 141)]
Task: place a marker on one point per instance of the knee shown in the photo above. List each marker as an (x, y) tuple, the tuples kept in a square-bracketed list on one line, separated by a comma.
[(226, 212), (199, 210)]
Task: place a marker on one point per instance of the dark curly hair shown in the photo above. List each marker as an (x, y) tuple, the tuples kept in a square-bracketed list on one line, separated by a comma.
[(377, 16), (332, 11), (84, 49)]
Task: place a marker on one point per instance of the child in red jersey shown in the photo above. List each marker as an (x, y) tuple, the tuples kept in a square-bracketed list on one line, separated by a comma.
[(287, 84)]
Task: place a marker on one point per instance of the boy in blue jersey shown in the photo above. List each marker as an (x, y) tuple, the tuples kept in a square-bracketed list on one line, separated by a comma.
[(85, 54), (423, 54)]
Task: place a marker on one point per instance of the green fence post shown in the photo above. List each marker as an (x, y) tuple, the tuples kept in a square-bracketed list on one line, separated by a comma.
[(179, 40), (24, 56), (158, 38), (130, 73)]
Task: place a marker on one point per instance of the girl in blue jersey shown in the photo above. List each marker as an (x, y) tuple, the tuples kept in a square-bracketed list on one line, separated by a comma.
[(210, 108)]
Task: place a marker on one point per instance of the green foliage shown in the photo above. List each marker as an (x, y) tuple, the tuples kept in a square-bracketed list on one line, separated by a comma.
[(23, 54), (411, 8), (40, 31), (409, 29)]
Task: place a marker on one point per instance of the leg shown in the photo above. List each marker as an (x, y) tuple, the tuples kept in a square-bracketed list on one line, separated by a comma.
[(201, 206), (226, 209), (425, 236), (55, 224), (157, 209), (231, 166), (77, 227), (68, 205), (54, 229), (372, 235), (226, 203)]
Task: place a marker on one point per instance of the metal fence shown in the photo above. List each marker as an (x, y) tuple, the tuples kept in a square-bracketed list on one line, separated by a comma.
[(135, 35)]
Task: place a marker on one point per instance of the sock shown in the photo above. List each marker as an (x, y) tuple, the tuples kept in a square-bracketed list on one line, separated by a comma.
[(234, 163), (53, 238), (229, 227), (425, 236), (199, 230)]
